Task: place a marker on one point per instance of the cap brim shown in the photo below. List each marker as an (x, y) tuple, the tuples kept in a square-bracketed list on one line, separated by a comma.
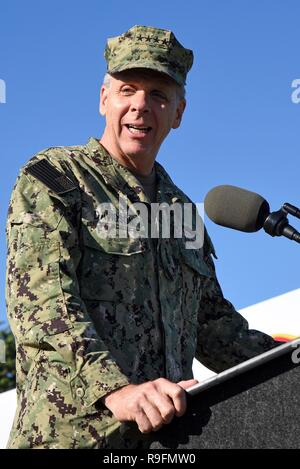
[(150, 66)]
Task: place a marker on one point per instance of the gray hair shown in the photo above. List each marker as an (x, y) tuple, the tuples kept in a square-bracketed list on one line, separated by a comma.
[(106, 80), (180, 89)]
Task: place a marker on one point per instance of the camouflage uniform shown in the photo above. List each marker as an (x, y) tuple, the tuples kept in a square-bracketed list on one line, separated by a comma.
[(84, 309), (91, 313)]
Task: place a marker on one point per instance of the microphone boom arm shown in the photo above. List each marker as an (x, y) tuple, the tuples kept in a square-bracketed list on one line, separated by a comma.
[(291, 209), (277, 224)]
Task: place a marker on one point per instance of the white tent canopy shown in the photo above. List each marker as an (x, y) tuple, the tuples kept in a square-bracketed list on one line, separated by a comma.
[(278, 316)]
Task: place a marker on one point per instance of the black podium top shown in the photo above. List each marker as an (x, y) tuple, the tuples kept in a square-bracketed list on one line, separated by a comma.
[(252, 405)]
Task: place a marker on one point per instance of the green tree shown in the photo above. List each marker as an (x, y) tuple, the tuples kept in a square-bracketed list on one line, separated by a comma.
[(8, 368)]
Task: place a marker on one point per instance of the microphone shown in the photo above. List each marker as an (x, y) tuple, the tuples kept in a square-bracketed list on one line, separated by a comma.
[(243, 210)]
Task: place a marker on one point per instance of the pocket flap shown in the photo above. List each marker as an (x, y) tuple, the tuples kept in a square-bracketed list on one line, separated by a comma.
[(46, 222), (194, 259), (111, 245)]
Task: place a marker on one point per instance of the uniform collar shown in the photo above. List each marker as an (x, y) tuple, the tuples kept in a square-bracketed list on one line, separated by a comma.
[(122, 180)]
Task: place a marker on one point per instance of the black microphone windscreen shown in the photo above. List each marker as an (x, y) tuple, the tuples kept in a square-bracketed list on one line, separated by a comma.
[(236, 208)]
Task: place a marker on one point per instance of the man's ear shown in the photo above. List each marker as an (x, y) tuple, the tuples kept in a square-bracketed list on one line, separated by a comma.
[(103, 100), (179, 113)]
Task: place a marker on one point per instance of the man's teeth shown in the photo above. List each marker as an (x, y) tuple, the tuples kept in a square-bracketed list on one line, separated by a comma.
[(135, 129)]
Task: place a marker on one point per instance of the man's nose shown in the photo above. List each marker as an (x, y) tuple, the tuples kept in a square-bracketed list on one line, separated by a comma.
[(140, 102)]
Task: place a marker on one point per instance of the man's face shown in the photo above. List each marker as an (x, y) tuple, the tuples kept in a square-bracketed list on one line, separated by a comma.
[(140, 108)]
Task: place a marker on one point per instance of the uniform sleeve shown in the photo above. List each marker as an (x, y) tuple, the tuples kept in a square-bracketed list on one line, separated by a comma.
[(44, 306), (224, 338)]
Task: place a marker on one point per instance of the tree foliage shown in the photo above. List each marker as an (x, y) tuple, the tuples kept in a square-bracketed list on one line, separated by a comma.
[(8, 368)]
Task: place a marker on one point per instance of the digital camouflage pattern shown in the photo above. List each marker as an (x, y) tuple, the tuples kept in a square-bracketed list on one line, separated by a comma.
[(147, 47), (91, 314)]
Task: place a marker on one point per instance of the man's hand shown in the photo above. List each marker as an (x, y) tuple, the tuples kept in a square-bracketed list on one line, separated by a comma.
[(151, 404)]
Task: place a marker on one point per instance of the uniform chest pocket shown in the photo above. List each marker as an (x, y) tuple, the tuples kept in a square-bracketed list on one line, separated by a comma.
[(195, 273), (193, 259), (111, 267), (110, 244)]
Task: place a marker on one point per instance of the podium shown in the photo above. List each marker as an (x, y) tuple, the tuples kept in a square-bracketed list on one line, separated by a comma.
[(258, 407)]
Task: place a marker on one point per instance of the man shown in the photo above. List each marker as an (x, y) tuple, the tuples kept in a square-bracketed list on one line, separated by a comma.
[(107, 326)]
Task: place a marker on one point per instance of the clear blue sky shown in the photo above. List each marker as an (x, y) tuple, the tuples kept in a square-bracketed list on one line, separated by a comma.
[(240, 126)]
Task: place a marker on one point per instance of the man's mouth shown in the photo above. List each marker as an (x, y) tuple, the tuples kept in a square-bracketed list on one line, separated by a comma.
[(138, 129)]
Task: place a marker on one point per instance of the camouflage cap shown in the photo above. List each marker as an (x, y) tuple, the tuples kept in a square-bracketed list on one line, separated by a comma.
[(148, 47)]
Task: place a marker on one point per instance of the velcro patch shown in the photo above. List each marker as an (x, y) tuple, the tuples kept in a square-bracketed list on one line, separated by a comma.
[(51, 177)]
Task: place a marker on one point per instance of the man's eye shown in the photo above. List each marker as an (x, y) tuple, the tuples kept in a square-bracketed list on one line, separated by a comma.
[(159, 94), (127, 91)]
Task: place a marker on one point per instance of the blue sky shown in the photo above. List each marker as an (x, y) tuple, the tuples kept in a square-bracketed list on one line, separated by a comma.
[(240, 126)]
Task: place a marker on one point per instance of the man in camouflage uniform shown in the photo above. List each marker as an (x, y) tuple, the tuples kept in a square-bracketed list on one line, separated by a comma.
[(107, 327)]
